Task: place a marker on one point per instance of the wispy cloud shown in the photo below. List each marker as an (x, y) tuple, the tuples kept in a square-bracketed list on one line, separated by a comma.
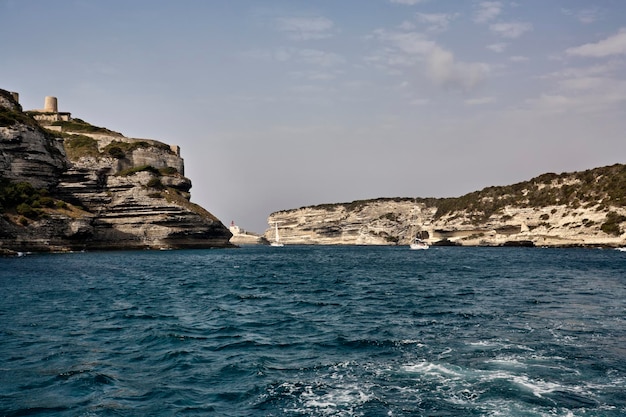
[(584, 89), (487, 11), (438, 22), (320, 58), (314, 57), (446, 71), (511, 30), (585, 16), (408, 2), (414, 49), (613, 45), (313, 75), (498, 47), (419, 102), (607, 69), (519, 58), (305, 28), (480, 101)]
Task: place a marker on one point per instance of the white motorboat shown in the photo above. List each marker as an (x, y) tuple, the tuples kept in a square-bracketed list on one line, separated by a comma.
[(418, 244)]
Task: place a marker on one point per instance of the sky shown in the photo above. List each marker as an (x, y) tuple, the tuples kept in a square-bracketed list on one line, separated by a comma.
[(280, 104)]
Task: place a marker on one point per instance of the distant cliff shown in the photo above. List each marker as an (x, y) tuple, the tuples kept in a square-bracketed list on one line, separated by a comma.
[(585, 208), (68, 185)]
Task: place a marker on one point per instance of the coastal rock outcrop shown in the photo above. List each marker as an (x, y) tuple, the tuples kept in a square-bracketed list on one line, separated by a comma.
[(68, 185), (26, 154), (571, 209)]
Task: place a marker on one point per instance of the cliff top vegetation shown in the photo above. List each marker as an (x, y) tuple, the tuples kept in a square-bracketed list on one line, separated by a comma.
[(597, 188)]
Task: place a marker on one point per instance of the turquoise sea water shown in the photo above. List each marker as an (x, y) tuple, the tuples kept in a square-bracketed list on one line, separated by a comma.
[(315, 331)]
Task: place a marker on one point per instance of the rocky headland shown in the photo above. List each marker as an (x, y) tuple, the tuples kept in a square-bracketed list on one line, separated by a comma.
[(66, 185), (579, 209), (243, 237)]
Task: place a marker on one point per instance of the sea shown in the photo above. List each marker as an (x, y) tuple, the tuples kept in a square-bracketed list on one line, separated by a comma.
[(315, 331)]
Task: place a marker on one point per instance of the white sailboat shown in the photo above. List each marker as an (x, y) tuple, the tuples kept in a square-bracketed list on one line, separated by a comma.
[(416, 243), (276, 241)]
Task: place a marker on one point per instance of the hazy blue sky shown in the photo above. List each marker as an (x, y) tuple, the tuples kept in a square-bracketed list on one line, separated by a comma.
[(279, 104)]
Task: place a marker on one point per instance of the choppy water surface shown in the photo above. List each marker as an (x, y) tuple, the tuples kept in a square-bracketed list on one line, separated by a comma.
[(315, 331)]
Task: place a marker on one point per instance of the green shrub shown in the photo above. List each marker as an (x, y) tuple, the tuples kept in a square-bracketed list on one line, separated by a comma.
[(14, 193), (389, 216), (155, 183), (125, 147), (10, 117), (168, 171), (611, 226), (78, 125), (27, 211), (116, 152), (77, 146), (45, 201)]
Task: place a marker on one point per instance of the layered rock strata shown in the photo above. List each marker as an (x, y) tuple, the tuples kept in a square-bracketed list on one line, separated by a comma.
[(577, 209), (102, 191)]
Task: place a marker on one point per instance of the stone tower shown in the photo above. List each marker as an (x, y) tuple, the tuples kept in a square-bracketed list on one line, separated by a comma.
[(50, 105)]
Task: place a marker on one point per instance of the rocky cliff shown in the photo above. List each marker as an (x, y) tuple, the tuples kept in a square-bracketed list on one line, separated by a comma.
[(571, 209), (72, 186)]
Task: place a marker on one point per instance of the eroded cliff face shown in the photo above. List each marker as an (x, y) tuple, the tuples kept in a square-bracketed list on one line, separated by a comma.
[(26, 154), (101, 191), (587, 219)]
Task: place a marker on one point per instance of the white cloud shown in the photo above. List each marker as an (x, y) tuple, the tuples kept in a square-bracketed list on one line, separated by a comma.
[(511, 30), (480, 101), (554, 103), (519, 58), (419, 102), (412, 43), (449, 73), (406, 25), (598, 88), (408, 2), (613, 45), (315, 75), (583, 96), (584, 83), (305, 28), (437, 21), (320, 58), (306, 56), (487, 11), (413, 49), (498, 47), (583, 72), (585, 16)]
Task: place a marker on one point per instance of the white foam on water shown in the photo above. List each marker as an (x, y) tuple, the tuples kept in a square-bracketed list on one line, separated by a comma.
[(538, 387), (412, 342), (508, 361), (429, 368), (499, 345), (338, 400), (508, 408)]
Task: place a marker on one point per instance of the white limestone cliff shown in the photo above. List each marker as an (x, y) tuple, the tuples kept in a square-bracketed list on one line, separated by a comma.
[(589, 218)]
